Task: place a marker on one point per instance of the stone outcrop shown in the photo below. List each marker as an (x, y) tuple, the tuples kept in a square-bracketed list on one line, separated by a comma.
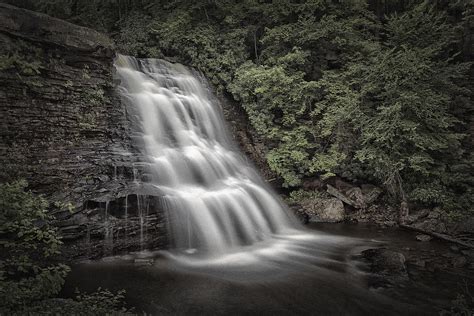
[(327, 210), (341, 201), (354, 196), (63, 127), (65, 130)]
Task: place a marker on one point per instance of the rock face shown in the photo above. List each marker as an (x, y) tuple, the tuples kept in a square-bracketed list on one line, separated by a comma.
[(247, 139), (62, 125), (65, 130)]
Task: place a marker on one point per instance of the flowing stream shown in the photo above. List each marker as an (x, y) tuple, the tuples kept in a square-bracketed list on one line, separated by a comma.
[(236, 248), (216, 202)]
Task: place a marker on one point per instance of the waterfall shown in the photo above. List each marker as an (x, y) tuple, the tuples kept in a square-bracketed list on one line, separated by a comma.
[(215, 201)]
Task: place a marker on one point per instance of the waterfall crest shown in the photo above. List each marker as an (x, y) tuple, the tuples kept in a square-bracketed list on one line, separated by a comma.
[(216, 201)]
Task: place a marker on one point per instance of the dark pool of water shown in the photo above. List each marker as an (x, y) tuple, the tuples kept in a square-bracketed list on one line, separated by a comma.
[(318, 275)]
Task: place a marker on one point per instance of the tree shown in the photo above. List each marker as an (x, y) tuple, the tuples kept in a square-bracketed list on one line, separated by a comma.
[(30, 278), (27, 241)]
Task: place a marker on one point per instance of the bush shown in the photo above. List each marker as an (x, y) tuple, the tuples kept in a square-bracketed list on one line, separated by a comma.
[(29, 277)]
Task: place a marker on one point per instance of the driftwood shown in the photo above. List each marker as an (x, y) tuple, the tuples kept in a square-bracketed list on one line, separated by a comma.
[(439, 236), (334, 192)]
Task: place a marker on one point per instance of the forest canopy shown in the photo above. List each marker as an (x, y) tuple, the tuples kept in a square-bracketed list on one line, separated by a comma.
[(377, 91)]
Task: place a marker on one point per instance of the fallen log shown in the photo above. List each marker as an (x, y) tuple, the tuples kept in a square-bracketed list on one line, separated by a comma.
[(334, 192), (438, 235)]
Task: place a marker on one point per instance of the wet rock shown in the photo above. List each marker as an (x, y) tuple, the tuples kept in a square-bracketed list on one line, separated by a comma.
[(423, 237), (300, 214), (386, 262)]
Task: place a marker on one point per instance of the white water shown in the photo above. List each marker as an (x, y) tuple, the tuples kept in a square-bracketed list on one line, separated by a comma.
[(216, 202)]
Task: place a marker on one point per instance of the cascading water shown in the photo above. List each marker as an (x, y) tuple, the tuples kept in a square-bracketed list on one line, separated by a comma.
[(216, 202), (233, 238), (240, 250)]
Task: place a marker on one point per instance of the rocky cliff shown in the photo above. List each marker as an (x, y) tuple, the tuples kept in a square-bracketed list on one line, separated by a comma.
[(65, 130)]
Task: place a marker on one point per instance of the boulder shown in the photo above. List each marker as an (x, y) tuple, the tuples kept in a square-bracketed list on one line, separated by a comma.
[(300, 214), (325, 210), (386, 262), (333, 211), (354, 196)]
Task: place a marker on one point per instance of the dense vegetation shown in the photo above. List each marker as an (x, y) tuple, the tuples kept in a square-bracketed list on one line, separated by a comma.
[(376, 91), (30, 277)]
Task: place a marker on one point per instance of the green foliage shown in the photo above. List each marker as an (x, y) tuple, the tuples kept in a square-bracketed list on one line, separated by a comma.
[(187, 31), (409, 136), (276, 102), (27, 241), (135, 36), (101, 302), (369, 91), (30, 278), (94, 97), (21, 59), (300, 195)]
